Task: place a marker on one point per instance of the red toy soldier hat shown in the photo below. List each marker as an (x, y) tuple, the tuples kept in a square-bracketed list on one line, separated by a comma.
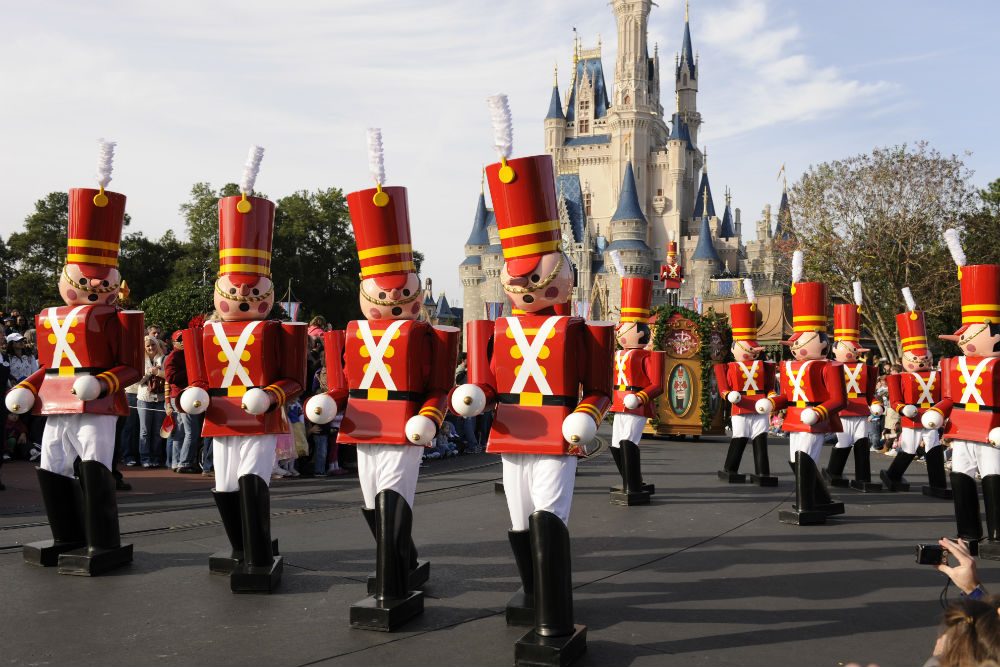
[(980, 285), (95, 230), (913, 332), (809, 304), (381, 221), (245, 232), (744, 318), (524, 202), (637, 295), (846, 322)]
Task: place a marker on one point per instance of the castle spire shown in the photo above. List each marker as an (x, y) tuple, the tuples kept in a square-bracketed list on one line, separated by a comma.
[(628, 200), (703, 204), (727, 229), (555, 102), (687, 51)]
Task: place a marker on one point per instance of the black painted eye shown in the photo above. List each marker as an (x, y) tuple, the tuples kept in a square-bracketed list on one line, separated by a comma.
[(406, 292), (83, 281), (105, 283), (232, 290), (381, 295), (256, 291), (535, 277)]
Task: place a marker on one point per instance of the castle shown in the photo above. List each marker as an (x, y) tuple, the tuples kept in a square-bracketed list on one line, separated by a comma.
[(628, 181)]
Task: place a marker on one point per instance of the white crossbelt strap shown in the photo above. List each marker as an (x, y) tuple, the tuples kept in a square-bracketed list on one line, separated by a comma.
[(972, 392), (852, 381), (621, 359), (376, 365), (234, 355), (63, 348), (529, 355), (925, 387), (748, 373), (795, 379)]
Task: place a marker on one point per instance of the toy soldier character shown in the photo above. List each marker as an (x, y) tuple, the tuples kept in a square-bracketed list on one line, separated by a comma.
[(911, 394), (397, 372), (743, 382), (811, 391), (242, 371), (970, 402), (672, 273), (88, 352), (550, 378), (859, 383), (638, 380)]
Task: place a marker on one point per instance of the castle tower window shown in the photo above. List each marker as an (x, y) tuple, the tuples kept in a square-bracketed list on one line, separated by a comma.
[(583, 125), (659, 192), (587, 197)]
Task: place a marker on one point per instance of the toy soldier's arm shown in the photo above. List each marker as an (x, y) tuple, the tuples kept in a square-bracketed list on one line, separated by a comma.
[(598, 353), (833, 379), (776, 399), (940, 411), (323, 408), (894, 383), (470, 399), (193, 358), (653, 366), (128, 353), (874, 404), (290, 345), (443, 359)]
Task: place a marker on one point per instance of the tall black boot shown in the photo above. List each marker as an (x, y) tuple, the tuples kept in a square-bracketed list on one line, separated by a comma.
[(104, 550), (393, 602), (63, 499), (731, 468), (632, 492), (649, 488), (805, 512), (821, 494), (893, 477), (967, 518), (938, 481), (225, 561), (863, 468), (420, 570), (616, 454), (762, 468), (990, 547), (521, 607), (260, 571), (555, 640), (833, 473)]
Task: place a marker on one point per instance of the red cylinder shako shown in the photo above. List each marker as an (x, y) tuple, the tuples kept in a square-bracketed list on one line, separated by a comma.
[(980, 285), (245, 238), (381, 221), (637, 295), (523, 191), (744, 318), (913, 332), (95, 230), (846, 322), (809, 305), (671, 249)]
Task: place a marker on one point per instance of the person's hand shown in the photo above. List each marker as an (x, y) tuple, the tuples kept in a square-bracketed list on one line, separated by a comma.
[(963, 574)]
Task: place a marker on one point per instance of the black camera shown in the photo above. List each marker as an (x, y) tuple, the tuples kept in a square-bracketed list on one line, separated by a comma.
[(930, 554)]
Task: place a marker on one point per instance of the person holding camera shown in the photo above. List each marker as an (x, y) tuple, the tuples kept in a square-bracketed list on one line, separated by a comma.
[(150, 403)]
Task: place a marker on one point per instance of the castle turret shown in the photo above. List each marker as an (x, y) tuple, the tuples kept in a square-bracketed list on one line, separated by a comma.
[(629, 229), (555, 122), (686, 82)]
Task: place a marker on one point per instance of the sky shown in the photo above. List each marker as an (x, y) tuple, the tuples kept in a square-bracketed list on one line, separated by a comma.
[(186, 86)]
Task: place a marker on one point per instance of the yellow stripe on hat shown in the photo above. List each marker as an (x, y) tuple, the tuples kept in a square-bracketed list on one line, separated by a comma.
[(982, 306), (244, 252), (981, 319), (820, 319), (87, 243), (534, 228), (74, 258), (636, 310), (368, 271), (633, 318), (913, 339), (531, 249), (258, 269), (385, 250)]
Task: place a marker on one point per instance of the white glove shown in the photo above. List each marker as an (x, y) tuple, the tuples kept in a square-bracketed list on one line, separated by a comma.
[(420, 430), (877, 409), (763, 406), (809, 416), (931, 419), (631, 401), (579, 429), (86, 387), (19, 400), (321, 409), (468, 400), (734, 397), (909, 411), (994, 437), (194, 400), (256, 401)]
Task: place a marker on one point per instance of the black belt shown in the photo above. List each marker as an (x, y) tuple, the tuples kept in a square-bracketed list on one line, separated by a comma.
[(538, 399), (803, 404), (619, 387), (975, 407), (69, 370), (390, 395), (224, 391)]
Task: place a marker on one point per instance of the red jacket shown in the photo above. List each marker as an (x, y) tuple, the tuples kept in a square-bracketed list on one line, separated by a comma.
[(638, 372), (754, 382), (816, 384), (921, 390)]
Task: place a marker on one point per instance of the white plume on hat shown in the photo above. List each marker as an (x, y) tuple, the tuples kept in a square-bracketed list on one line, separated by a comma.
[(858, 298), (616, 259), (503, 127), (251, 168), (798, 266), (105, 158), (376, 158), (908, 298), (954, 246), (748, 289)]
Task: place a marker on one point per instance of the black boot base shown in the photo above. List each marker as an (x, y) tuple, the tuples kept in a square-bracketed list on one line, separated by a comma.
[(498, 487), (534, 650), (764, 480), (895, 484), (806, 518), (223, 562), (84, 563), (732, 477), (254, 579), (647, 488), (386, 616), (937, 492), (629, 498), (989, 549), (418, 577), (866, 487), (830, 509), (519, 612), (839, 481), (46, 553)]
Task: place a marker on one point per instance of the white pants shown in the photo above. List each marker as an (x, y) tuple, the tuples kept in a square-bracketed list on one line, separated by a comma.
[(626, 427), (855, 428), (535, 482), (810, 443), (91, 437), (750, 426), (911, 438), (968, 457), (388, 467), (237, 455)]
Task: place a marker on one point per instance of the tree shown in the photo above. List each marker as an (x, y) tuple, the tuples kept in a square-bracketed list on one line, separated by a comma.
[(983, 226), (879, 218), (174, 307), (200, 259), (38, 253), (146, 265)]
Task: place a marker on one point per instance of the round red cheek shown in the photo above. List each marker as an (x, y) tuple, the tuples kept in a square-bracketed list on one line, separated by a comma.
[(374, 314), (71, 294), (551, 292), (223, 306), (263, 307), (415, 308), (970, 348)]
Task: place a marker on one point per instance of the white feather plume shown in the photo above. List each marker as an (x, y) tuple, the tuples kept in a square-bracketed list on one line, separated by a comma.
[(858, 298), (749, 291), (105, 158), (376, 157), (503, 127), (798, 266), (911, 304), (954, 246), (251, 168), (670, 236), (616, 259)]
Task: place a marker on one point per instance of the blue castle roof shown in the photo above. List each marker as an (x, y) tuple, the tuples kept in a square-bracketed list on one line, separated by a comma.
[(728, 229), (595, 71), (699, 200), (783, 230), (679, 130), (568, 187), (479, 234), (705, 248), (628, 200), (687, 53), (555, 106)]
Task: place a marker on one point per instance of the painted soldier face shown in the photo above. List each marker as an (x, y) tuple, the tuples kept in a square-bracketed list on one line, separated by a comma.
[(979, 340), (743, 351), (242, 301), (391, 300), (845, 352), (632, 335), (79, 286), (810, 345), (548, 284), (914, 364)]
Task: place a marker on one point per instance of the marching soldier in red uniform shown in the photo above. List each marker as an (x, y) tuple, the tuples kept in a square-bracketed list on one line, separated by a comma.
[(811, 391), (743, 385), (859, 383), (672, 273), (911, 394), (88, 352), (242, 371), (970, 402), (638, 380), (396, 372), (550, 377)]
